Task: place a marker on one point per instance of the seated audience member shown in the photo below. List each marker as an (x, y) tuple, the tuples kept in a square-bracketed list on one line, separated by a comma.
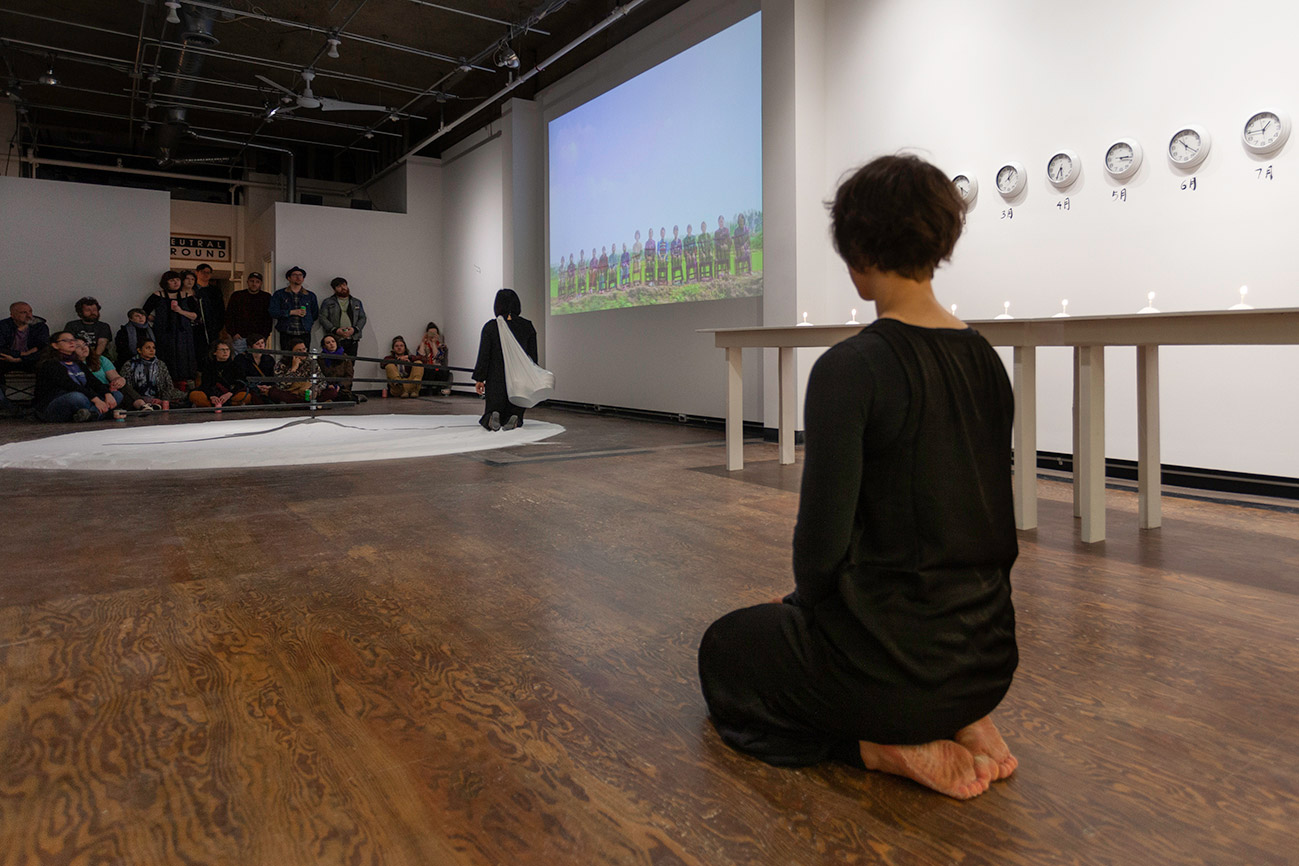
[(105, 372), (298, 374), (66, 389), (255, 364), (334, 365), (22, 336), (148, 376), (87, 326), (403, 379), (898, 639), (432, 350), (219, 380), (249, 312)]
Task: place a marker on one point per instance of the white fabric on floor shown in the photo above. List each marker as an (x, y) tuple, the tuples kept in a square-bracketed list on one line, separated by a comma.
[(235, 444)]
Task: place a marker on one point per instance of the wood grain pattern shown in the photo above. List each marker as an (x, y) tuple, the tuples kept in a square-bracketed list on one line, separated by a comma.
[(472, 660)]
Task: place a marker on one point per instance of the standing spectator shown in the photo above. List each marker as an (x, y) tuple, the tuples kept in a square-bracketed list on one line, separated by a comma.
[(129, 336), (342, 316), (87, 326), (211, 303), (66, 389), (489, 372), (22, 336), (403, 379), (148, 376), (294, 309), (173, 311), (432, 350), (249, 312)]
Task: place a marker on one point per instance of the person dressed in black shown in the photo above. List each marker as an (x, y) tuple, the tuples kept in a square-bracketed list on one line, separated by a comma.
[(489, 372), (898, 640), (172, 311)]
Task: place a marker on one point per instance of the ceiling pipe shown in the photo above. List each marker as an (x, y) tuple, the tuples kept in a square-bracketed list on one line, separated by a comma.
[(196, 30), (291, 173), (618, 12), (35, 162), (476, 15)]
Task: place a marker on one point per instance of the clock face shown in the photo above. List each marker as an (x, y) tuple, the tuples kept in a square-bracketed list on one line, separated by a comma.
[(1123, 158), (1185, 146), (1009, 179), (1266, 132), (1062, 169), (967, 186)]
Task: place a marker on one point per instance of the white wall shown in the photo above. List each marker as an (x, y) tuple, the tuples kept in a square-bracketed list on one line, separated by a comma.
[(60, 241), (473, 235), (975, 85), (651, 357), (391, 261)]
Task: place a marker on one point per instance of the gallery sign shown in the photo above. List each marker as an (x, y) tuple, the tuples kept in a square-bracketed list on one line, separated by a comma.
[(208, 248)]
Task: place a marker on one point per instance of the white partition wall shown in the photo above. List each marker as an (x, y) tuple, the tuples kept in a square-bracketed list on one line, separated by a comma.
[(974, 85), (60, 241)]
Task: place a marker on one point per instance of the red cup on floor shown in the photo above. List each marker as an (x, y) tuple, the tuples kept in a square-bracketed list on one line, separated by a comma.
[(166, 405)]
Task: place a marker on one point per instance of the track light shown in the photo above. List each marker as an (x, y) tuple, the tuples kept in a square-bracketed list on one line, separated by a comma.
[(394, 117), (153, 77), (49, 78), (172, 16), (369, 135), (506, 58), (333, 42)]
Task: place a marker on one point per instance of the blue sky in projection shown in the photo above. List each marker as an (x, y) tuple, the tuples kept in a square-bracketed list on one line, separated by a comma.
[(678, 143)]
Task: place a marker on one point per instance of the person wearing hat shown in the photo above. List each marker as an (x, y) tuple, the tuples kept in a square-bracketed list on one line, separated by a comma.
[(249, 311), (294, 309), (342, 316)]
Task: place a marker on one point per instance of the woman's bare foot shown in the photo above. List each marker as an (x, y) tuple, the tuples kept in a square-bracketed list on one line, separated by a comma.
[(944, 765), (984, 740)]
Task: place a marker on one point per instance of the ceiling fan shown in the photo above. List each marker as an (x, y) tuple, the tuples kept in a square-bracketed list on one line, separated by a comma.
[(307, 99)]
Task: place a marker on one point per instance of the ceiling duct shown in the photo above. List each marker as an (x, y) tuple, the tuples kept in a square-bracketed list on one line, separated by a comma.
[(185, 65)]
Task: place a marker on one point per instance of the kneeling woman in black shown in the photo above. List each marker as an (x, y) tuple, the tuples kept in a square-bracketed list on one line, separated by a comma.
[(489, 372), (899, 637)]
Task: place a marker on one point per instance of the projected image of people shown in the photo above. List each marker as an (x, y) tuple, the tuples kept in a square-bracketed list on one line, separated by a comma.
[(898, 639), (609, 170)]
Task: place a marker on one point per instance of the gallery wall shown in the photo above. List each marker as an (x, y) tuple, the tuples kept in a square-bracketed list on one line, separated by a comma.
[(972, 86), (391, 261), (61, 241), (650, 357)]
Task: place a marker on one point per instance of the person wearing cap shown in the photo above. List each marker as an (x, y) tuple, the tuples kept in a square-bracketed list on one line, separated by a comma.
[(342, 316), (249, 311), (294, 309)]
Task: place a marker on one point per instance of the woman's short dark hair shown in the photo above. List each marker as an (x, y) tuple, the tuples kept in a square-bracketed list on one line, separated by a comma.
[(898, 214), (166, 277), (432, 326), (253, 338), (507, 304)]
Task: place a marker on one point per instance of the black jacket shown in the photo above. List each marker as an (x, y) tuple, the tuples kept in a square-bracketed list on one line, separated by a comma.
[(52, 380)]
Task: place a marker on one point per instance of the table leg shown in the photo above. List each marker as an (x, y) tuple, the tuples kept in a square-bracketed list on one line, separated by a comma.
[(1025, 437), (788, 402), (734, 409), (1077, 476), (1090, 472), (1149, 473)]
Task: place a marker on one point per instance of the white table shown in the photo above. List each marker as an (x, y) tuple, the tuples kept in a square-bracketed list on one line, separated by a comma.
[(1088, 335)]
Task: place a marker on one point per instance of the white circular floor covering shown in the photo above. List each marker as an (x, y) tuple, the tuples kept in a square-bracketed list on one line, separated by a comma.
[(235, 444)]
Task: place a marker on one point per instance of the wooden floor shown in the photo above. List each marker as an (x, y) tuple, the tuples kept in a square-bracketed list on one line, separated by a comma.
[(490, 659)]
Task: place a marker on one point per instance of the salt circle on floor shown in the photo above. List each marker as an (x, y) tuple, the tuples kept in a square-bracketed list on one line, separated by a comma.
[(237, 444)]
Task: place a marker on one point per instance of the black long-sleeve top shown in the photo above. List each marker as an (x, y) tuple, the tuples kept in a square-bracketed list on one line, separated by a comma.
[(219, 377), (490, 366), (906, 531)]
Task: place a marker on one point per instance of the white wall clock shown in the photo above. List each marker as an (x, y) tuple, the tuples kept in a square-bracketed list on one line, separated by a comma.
[(1189, 146), (1266, 132), (1123, 158), (967, 185), (1011, 179), (1063, 168)]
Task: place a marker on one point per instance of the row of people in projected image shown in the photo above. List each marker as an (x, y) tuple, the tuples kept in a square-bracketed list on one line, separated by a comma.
[(694, 258)]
